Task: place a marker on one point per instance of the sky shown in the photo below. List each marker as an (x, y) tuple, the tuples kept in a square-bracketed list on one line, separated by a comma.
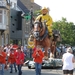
[(59, 9)]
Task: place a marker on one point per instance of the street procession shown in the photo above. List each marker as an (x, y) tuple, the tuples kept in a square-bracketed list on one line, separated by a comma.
[(33, 41)]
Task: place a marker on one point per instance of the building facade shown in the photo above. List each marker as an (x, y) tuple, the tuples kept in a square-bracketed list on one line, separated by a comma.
[(16, 21), (4, 22), (20, 27)]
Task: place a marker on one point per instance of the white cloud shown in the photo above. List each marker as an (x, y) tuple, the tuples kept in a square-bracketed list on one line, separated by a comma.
[(60, 8)]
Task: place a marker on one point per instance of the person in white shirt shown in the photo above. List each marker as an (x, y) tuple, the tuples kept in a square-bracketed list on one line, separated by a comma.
[(68, 60)]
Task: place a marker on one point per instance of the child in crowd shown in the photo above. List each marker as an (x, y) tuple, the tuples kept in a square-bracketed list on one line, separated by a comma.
[(12, 60), (38, 57)]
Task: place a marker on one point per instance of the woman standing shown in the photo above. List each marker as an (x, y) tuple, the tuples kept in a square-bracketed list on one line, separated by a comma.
[(19, 59), (68, 60), (2, 60)]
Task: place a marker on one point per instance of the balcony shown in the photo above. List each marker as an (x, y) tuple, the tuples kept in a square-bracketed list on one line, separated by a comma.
[(2, 3), (2, 27)]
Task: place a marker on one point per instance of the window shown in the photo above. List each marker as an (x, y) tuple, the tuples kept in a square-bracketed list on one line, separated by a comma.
[(0, 16), (11, 4), (2, 3), (14, 5), (0, 11), (8, 1), (4, 11), (5, 17)]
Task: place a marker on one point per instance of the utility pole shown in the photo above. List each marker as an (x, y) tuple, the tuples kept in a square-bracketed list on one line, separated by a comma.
[(31, 20), (23, 31), (31, 13)]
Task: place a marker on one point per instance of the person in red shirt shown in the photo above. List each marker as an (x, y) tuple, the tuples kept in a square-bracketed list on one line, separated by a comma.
[(38, 57), (2, 60), (19, 59), (12, 60)]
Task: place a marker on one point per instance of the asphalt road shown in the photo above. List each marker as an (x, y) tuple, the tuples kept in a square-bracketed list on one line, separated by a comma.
[(26, 71)]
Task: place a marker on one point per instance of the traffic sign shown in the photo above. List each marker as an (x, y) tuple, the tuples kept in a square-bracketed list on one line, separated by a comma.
[(27, 16)]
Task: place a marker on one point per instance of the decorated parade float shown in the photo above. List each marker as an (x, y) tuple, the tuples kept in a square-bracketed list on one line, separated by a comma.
[(40, 36)]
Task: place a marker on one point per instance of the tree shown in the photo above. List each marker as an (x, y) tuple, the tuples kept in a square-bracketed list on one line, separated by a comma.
[(36, 13), (67, 30)]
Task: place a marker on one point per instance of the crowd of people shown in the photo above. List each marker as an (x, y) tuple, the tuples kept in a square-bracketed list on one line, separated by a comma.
[(14, 55), (11, 55)]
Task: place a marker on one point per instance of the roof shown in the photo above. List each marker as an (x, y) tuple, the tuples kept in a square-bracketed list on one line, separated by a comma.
[(22, 6), (29, 4)]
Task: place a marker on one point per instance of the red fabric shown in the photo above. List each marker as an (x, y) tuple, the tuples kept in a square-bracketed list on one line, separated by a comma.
[(15, 46), (39, 58), (12, 58), (2, 58), (19, 58), (34, 48)]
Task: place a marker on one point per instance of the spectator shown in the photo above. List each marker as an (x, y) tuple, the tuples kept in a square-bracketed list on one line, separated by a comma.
[(12, 60), (68, 60), (19, 59), (2, 60), (25, 50), (22, 48), (6, 60), (38, 57)]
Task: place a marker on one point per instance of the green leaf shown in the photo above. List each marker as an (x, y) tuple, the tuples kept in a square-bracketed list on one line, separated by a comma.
[(38, 12), (67, 30)]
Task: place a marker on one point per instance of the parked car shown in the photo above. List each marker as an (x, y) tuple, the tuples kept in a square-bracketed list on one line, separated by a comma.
[(51, 63)]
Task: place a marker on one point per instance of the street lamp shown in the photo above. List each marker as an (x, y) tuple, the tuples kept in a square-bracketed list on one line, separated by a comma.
[(31, 13), (31, 20)]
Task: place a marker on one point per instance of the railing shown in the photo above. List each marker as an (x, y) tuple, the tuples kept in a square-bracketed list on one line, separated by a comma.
[(3, 3), (2, 27)]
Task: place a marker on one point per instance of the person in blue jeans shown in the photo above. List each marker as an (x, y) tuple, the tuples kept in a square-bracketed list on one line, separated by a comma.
[(12, 60), (2, 60), (2, 69), (38, 57), (19, 69), (38, 68), (19, 60), (11, 67)]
